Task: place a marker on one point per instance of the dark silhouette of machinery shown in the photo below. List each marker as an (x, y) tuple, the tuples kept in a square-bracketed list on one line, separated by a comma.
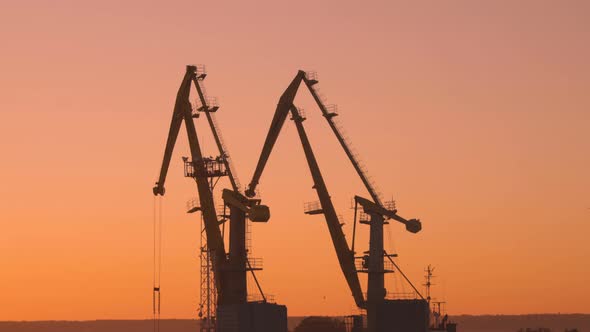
[(228, 270), (382, 314), (320, 324), (439, 320)]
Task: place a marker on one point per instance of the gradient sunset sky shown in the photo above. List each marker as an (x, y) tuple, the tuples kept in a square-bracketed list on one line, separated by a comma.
[(473, 115)]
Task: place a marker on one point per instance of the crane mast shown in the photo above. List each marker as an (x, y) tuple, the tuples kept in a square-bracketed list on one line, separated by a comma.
[(345, 255), (281, 113), (234, 312)]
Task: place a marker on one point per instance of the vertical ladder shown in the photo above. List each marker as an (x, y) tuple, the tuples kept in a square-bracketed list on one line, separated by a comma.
[(208, 292)]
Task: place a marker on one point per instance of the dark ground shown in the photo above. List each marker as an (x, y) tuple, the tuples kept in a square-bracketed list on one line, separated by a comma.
[(497, 323)]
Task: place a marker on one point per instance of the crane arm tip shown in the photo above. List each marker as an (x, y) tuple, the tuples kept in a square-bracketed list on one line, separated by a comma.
[(250, 192), (414, 225), (158, 190)]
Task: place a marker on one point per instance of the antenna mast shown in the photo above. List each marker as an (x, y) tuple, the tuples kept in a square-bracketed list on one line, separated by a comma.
[(429, 270)]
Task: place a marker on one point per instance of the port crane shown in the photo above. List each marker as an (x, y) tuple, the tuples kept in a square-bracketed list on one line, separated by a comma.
[(378, 211), (228, 269)]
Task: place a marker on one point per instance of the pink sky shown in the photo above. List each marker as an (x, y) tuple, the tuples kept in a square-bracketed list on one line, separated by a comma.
[(474, 116)]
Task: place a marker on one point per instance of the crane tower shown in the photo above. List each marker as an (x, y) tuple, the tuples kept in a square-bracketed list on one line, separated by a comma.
[(224, 301), (383, 314)]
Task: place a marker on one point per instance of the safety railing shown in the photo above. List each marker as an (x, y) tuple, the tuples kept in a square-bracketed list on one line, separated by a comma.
[(301, 112), (311, 76), (255, 263), (311, 207), (206, 167), (364, 217), (222, 212), (200, 70), (193, 205), (270, 298), (211, 104), (389, 205), (332, 109), (322, 98), (362, 265), (401, 296)]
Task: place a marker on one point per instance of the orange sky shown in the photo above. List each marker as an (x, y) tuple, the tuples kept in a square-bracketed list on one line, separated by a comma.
[(474, 116)]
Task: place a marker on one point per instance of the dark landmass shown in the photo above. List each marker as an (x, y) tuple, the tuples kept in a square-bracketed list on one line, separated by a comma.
[(166, 325), (511, 323), (487, 323)]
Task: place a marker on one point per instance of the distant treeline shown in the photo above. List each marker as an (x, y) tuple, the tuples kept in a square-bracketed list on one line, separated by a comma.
[(167, 325), (512, 323), (486, 323)]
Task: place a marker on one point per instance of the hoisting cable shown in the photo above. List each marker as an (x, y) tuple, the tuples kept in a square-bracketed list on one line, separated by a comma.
[(157, 267), (256, 280)]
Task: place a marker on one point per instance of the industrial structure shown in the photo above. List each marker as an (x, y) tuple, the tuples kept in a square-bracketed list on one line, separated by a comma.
[(439, 319), (224, 300), (382, 313)]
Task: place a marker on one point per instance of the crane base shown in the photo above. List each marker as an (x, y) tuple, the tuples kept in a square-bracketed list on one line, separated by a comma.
[(403, 315), (252, 317)]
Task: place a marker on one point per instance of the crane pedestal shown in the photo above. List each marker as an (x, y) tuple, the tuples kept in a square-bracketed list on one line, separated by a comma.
[(252, 317), (235, 313), (236, 271), (402, 316), (385, 315)]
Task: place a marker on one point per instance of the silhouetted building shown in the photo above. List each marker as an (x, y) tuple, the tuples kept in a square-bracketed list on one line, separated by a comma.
[(320, 324), (252, 317)]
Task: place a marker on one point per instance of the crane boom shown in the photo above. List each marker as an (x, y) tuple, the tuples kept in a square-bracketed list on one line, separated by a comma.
[(183, 111), (281, 113), (177, 117), (343, 252), (282, 110)]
